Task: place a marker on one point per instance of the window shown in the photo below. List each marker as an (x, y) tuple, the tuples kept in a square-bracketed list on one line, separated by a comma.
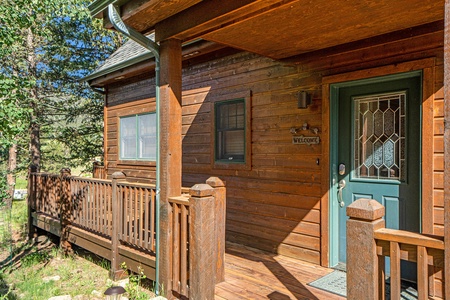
[(138, 137), (230, 131)]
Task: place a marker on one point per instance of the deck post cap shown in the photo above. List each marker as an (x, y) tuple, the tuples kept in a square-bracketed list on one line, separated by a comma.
[(118, 175), (201, 190), (365, 209), (215, 182)]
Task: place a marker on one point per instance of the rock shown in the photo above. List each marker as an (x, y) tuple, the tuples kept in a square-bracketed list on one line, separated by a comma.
[(96, 293), (65, 297), (51, 278), (159, 298)]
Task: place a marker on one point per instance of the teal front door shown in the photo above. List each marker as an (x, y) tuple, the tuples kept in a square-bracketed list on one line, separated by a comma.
[(377, 141)]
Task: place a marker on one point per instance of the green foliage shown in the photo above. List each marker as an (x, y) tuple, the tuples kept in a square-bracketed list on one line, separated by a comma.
[(134, 287), (47, 47)]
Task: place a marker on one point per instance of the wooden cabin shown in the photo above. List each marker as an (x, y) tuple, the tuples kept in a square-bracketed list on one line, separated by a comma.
[(301, 108)]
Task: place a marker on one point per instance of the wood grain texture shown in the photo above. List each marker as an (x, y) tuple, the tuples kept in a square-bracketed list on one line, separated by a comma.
[(284, 188)]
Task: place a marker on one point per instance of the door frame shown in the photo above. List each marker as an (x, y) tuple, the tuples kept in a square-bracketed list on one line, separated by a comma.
[(330, 86)]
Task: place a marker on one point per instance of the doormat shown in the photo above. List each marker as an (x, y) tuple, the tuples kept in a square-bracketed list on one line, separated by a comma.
[(336, 283)]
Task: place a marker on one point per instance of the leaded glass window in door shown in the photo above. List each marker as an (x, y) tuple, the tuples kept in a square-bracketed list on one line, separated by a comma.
[(380, 136)]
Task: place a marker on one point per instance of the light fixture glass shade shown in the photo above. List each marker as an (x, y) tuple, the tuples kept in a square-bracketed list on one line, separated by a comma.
[(114, 293)]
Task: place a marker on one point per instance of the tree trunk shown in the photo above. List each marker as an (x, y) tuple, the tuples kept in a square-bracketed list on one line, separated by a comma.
[(35, 141), (10, 177)]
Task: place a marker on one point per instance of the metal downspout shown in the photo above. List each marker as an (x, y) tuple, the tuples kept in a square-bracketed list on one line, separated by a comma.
[(139, 38)]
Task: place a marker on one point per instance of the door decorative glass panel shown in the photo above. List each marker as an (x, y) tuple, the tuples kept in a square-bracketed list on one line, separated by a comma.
[(379, 136)]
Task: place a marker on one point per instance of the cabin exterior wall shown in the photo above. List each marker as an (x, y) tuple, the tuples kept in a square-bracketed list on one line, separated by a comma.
[(275, 202)]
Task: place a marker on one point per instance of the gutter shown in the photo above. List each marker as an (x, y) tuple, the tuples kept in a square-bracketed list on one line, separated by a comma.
[(139, 38), (99, 5)]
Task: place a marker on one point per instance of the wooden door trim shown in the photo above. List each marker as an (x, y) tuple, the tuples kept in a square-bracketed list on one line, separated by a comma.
[(427, 66)]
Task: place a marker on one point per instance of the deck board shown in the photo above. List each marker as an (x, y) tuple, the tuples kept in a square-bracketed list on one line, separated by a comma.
[(254, 274)]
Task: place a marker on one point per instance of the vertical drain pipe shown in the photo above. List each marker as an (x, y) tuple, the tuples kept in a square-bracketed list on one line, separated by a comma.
[(147, 43)]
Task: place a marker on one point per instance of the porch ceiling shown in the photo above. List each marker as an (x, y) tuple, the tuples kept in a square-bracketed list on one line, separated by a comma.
[(277, 28), (304, 26)]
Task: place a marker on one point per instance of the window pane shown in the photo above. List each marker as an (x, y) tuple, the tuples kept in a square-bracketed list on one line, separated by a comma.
[(147, 136), (234, 144), (128, 137), (379, 137), (230, 124)]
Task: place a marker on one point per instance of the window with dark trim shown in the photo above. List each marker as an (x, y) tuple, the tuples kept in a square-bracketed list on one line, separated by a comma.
[(138, 137), (230, 131)]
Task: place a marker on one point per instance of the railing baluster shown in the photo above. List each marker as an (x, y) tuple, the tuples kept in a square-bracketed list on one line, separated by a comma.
[(135, 228), (147, 212), (141, 217), (395, 271), (183, 252), (176, 247), (422, 273), (152, 219)]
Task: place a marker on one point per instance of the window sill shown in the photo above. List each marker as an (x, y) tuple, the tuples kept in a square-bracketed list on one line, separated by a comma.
[(223, 165), (150, 163)]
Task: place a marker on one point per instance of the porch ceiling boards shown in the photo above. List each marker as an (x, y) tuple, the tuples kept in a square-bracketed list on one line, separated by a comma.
[(279, 28), (253, 274)]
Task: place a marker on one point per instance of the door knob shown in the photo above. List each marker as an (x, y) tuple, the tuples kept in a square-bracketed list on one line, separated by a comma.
[(340, 188)]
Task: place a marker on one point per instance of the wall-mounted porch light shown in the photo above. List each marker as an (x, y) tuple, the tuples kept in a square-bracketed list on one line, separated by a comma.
[(114, 293), (304, 99)]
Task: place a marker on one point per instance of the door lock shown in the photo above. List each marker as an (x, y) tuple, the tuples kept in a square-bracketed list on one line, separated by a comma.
[(341, 169), (340, 197)]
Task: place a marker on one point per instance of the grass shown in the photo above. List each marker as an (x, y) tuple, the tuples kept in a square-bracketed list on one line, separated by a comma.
[(83, 274), (21, 183)]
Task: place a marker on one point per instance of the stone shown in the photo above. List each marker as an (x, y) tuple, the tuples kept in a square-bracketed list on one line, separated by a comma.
[(96, 293), (64, 297), (51, 278)]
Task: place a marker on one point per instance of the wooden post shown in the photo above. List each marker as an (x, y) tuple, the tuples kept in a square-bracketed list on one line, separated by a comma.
[(170, 148), (219, 220), (31, 200), (202, 269), (65, 209), (116, 272), (366, 216), (447, 148)]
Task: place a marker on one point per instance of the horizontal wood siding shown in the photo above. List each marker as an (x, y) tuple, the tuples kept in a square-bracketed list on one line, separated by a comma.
[(139, 171), (275, 203)]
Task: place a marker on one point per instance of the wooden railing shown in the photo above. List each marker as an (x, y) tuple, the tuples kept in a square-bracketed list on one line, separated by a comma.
[(125, 213), (137, 209), (47, 193), (98, 171), (91, 204), (179, 221), (409, 246), (369, 242)]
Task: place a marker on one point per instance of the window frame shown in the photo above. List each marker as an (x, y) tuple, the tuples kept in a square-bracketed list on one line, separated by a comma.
[(136, 158), (245, 163)]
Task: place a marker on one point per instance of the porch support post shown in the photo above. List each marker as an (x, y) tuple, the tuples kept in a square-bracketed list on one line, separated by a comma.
[(170, 148), (219, 221), (202, 244), (366, 216), (115, 272), (31, 200), (65, 206), (447, 148)]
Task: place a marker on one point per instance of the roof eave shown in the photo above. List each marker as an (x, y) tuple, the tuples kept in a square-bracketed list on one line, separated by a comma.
[(117, 67)]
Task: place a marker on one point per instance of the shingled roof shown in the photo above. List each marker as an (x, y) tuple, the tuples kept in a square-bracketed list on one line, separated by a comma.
[(128, 54)]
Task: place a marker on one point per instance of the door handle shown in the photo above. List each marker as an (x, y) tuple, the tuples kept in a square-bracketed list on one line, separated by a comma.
[(340, 198)]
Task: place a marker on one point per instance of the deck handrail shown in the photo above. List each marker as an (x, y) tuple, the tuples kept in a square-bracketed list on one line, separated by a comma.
[(369, 242), (125, 213)]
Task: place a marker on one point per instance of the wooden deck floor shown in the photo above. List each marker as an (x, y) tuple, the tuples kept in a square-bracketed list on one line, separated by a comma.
[(251, 274)]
